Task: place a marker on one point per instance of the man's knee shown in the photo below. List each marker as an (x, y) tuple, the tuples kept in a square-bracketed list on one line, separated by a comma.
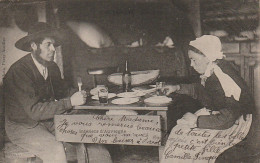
[(58, 148), (56, 154)]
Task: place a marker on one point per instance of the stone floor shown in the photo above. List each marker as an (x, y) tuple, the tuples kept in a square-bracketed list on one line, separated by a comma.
[(135, 154), (127, 154), (119, 154)]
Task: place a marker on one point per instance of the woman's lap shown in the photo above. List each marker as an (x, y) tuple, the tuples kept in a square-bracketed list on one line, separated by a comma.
[(181, 104)]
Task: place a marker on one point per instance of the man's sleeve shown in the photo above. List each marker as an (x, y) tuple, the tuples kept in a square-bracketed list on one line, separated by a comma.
[(21, 85)]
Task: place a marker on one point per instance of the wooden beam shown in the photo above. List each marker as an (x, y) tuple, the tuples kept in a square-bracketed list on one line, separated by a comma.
[(41, 11), (194, 16)]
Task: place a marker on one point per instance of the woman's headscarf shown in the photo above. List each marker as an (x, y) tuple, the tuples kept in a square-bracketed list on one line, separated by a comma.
[(211, 47)]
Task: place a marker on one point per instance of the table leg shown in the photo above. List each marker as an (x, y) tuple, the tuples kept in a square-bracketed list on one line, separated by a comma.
[(163, 115), (161, 149), (82, 155)]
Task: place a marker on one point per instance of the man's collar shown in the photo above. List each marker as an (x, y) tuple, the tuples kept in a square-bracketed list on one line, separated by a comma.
[(41, 68), (38, 64)]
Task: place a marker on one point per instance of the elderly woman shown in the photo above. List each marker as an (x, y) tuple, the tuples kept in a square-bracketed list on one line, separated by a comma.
[(224, 91)]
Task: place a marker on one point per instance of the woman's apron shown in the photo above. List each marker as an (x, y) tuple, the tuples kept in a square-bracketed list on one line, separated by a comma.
[(194, 145)]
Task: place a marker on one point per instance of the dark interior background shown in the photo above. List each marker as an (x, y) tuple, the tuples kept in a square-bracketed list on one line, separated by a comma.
[(126, 22)]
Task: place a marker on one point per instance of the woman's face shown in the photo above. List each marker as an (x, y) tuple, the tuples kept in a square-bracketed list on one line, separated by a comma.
[(198, 61)]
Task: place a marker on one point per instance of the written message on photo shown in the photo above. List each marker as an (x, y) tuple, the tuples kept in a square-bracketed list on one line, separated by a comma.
[(194, 145), (109, 129)]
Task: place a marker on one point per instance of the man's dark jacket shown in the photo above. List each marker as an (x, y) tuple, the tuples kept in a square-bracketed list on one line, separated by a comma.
[(29, 98)]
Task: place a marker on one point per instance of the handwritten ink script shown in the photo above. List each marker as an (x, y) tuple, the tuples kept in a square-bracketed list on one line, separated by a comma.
[(109, 129), (202, 145)]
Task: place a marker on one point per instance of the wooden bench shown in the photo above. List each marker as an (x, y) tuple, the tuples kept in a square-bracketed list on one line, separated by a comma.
[(13, 153)]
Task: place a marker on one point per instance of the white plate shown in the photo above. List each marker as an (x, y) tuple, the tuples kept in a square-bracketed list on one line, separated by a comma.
[(121, 112), (136, 89), (124, 101), (158, 100), (143, 88), (131, 94), (110, 95), (241, 38)]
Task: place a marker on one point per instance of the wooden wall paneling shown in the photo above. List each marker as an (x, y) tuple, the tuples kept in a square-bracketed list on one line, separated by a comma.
[(254, 47), (243, 54), (231, 48)]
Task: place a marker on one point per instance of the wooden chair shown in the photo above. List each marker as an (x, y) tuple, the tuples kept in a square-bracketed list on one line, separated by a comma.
[(14, 153), (101, 71)]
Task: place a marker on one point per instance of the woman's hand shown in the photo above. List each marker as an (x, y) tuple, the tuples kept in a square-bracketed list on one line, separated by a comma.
[(168, 89), (191, 119)]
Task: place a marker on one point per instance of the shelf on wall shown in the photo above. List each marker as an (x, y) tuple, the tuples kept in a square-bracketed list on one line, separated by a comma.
[(230, 15)]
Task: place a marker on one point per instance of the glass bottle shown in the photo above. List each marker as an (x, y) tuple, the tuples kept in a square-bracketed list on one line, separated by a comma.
[(126, 78)]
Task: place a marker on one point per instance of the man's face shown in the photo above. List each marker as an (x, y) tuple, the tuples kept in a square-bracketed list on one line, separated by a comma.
[(198, 61), (44, 51), (47, 49)]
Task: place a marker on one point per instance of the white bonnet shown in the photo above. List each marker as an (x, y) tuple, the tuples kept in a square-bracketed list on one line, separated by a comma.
[(209, 45)]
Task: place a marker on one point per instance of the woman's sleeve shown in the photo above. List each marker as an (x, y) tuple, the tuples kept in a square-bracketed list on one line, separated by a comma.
[(196, 91), (187, 89), (228, 114)]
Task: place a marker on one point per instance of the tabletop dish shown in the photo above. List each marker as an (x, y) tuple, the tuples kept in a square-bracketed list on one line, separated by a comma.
[(121, 112), (124, 101), (158, 101), (143, 88), (138, 77), (131, 94), (110, 95)]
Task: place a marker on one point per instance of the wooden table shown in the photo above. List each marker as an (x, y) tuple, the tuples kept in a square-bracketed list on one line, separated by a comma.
[(70, 128)]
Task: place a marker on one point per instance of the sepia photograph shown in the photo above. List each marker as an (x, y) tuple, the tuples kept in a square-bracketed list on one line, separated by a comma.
[(129, 81)]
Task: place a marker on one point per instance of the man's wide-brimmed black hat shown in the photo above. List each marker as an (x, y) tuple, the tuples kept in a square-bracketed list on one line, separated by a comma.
[(40, 30)]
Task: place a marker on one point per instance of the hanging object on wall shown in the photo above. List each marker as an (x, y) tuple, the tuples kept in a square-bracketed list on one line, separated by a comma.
[(91, 34)]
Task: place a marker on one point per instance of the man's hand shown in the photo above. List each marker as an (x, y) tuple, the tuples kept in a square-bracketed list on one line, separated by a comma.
[(170, 89), (78, 98)]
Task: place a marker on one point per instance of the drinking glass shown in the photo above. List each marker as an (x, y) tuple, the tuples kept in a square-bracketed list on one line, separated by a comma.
[(159, 88), (102, 94)]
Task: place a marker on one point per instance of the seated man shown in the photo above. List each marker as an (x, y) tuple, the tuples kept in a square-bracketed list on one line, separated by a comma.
[(34, 93)]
